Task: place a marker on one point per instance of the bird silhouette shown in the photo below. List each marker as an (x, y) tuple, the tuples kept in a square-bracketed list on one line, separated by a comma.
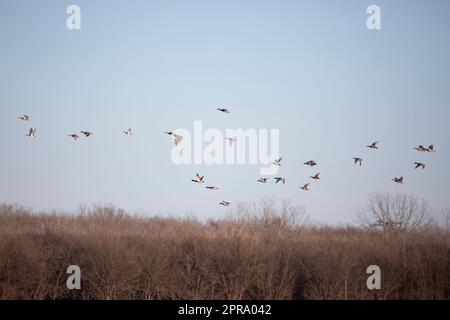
[(398, 180), (305, 187), (212, 188), (128, 132), (224, 110), (176, 138), (421, 148), (24, 117), (31, 133), (225, 203), (198, 178), (262, 180), (419, 165), (311, 163), (277, 162), (431, 148), (86, 133), (280, 179), (231, 140), (316, 176), (358, 161), (74, 136), (373, 145)]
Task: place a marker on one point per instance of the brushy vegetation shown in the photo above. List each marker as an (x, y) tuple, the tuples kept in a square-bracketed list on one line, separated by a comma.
[(264, 251)]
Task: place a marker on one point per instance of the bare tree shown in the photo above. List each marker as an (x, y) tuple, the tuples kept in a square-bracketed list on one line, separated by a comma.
[(389, 212)]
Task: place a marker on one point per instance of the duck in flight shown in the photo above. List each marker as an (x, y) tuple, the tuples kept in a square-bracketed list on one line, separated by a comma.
[(86, 133), (263, 180), (214, 188), (231, 140), (280, 179), (31, 133), (311, 163), (373, 145), (176, 138), (225, 203), (431, 148), (358, 161), (421, 148), (128, 132), (198, 178), (398, 180), (419, 165), (74, 136), (277, 162), (24, 117), (224, 110), (305, 187), (316, 176)]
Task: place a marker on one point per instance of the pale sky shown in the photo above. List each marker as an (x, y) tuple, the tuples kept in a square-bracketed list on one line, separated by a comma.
[(311, 69)]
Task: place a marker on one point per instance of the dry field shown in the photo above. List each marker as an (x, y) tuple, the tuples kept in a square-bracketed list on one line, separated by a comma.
[(260, 252)]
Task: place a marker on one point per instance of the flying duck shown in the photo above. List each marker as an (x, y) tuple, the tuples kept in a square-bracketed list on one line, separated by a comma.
[(358, 161), (198, 178), (128, 132), (419, 165), (24, 117), (316, 176), (263, 180), (421, 148), (398, 180), (74, 136), (176, 138), (31, 133), (225, 203), (431, 148), (277, 162), (311, 163), (224, 110), (212, 188), (86, 133), (374, 145), (278, 179), (231, 140), (305, 187)]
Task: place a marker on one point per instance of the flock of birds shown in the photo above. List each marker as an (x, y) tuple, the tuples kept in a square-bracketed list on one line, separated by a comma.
[(199, 179)]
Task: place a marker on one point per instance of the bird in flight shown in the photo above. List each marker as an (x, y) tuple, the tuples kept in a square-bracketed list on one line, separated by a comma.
[(262, 180), (212, 188), (31, 133), (431, 148), (305, 187), (198, 178), (176, 138), (316, 176), (280, 179), (419, 165), (128, 132), (74, 136), (277, 162), (373, 145), (311, 163), (224, 110), (421, 148), (398, 180), (225, 203), (231, 140), (358, 161), (86, 133), (24, 117)]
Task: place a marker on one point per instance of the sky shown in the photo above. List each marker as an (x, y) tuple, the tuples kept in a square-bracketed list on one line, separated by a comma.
[(311, 69)]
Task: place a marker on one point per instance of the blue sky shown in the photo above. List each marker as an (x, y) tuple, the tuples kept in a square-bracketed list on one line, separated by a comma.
[(308, 68)]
